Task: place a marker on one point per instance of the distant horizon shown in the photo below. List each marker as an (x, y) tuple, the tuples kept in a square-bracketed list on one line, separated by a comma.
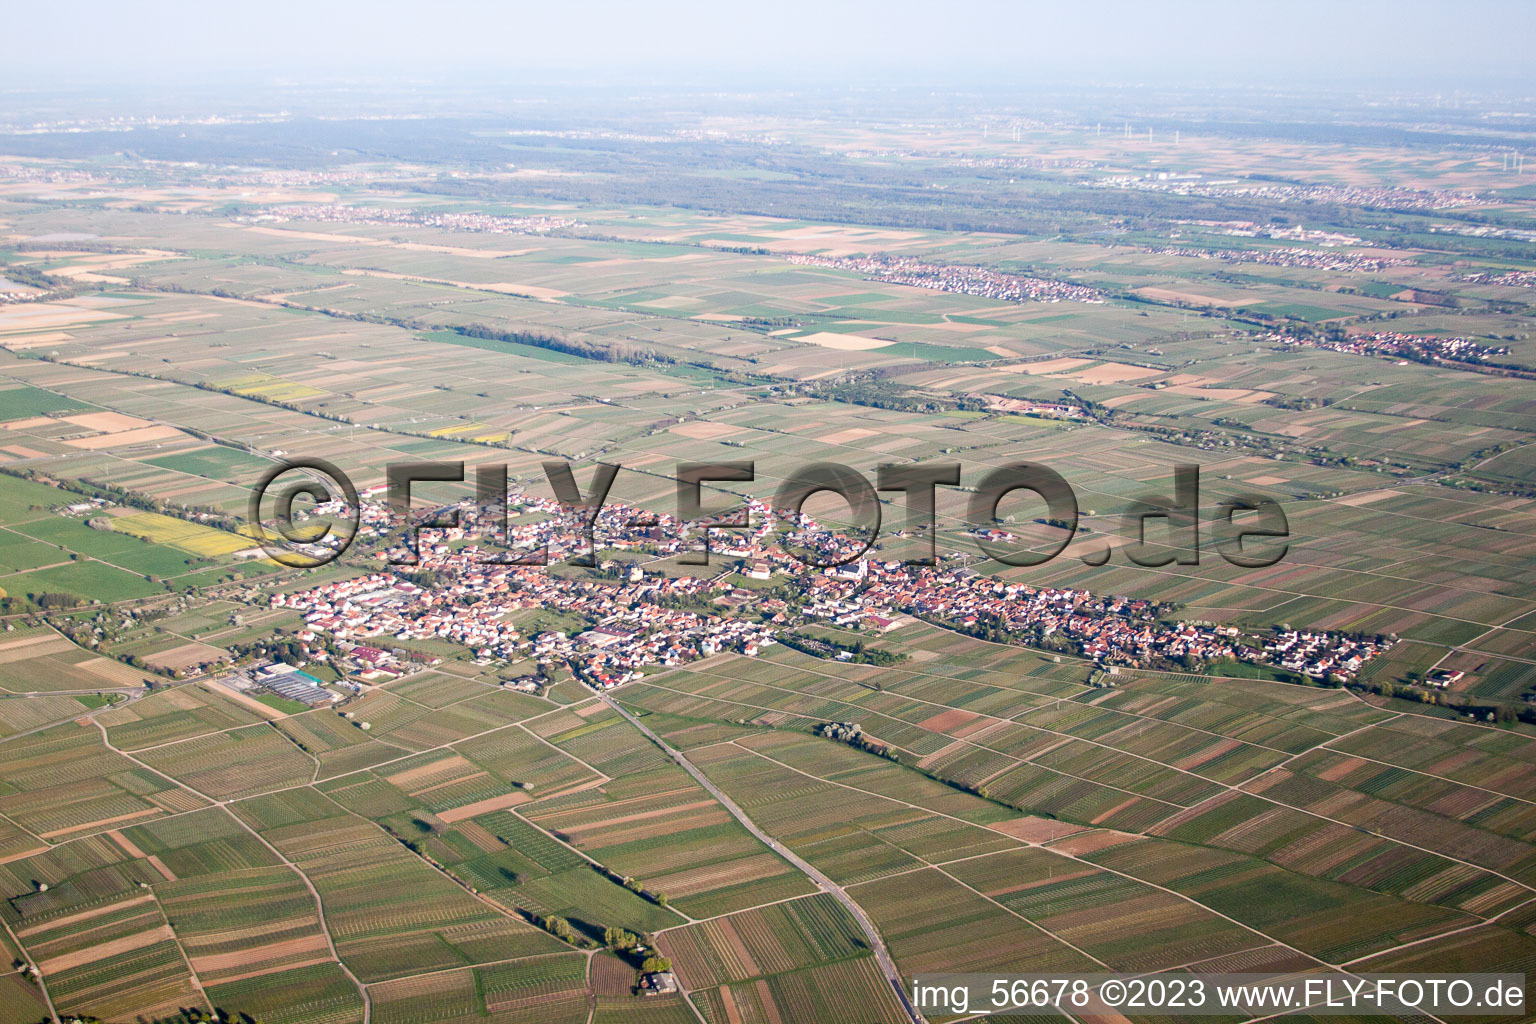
[(683, 44)]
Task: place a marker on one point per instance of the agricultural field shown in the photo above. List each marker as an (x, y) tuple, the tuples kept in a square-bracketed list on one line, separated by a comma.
[(189, 537), (173, 715), (757, 943)]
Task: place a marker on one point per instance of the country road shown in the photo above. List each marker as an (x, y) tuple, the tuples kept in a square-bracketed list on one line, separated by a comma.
[(882, 955), (133, 692)]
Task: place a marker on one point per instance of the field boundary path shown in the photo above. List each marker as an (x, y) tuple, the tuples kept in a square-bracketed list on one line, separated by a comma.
[(876, 944)]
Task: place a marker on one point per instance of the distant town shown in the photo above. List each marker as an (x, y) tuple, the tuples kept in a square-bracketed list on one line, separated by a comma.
[(959, 279)]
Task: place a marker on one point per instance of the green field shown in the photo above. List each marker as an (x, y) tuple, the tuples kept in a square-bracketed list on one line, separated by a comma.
[(217, 463), (22, 402)]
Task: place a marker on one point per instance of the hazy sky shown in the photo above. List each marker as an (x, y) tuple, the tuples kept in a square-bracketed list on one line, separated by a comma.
[(778, 41)]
